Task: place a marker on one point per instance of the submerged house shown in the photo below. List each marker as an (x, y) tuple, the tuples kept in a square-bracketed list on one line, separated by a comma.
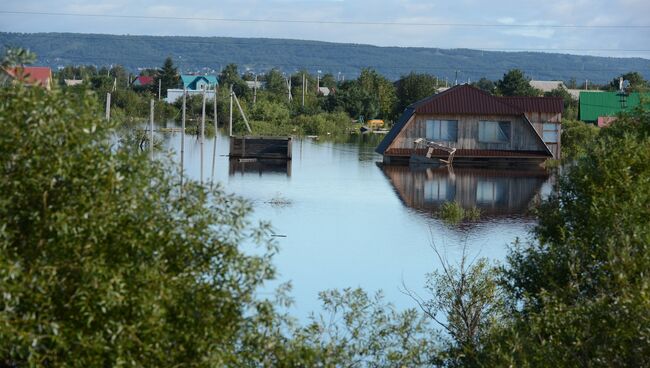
[(484, 129), (495, 192)]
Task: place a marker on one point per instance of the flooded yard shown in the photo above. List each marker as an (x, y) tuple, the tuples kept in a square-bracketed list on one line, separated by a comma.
[(348, 221)]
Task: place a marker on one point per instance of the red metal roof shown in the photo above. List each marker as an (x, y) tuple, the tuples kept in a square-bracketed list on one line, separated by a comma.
[(536, 104), (465, 99), (144, 80), (32, 74)]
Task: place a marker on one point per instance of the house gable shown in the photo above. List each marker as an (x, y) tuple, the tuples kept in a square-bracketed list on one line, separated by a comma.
[(469, 106)]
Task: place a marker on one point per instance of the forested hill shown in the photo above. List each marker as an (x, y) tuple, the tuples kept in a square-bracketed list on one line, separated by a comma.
[(196, 53)]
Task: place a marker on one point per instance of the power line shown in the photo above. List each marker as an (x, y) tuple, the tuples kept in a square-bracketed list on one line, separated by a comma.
[(333, 22)]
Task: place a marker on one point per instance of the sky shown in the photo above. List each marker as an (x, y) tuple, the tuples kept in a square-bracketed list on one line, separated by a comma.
[(442, 24)]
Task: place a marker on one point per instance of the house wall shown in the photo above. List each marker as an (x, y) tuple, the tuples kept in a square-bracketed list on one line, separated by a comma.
[(424, 190), (538, 119), (174, 94), (522, 136)]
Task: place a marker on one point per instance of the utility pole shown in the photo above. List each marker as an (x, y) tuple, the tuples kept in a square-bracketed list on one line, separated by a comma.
[(231, 110), (215, 110), (202, 131), (108, 107), (151, 127), (214, 145), (318, 82), (289, 87), (586, 84), (255, 90), (183, 136), (303, 89), (456, 79)]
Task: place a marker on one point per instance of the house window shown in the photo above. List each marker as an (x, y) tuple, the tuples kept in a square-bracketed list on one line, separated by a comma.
[(551, 132), (439, 190), (491, 192), (442, 130), (494, 131)]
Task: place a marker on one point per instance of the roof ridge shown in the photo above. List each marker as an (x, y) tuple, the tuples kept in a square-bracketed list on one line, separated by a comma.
[(433, 96)]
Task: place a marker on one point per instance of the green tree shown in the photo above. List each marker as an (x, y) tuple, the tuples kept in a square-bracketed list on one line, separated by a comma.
[(328, 81), (581, 291), (577, 138), (374, 84), (230, 76), (17, 56), (515, 83), (485, 85), (466, 301), (412, 88), (570, 103), (14, 57), (168, 77), (276, 86), (102, 261), (636, 82)]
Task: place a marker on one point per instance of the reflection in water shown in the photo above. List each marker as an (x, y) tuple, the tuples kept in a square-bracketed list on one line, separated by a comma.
[(259, 166), (496, 192)]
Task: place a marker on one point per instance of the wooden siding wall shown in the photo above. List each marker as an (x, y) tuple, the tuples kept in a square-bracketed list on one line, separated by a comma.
[(538, 119), (522, 137), (520, 189)]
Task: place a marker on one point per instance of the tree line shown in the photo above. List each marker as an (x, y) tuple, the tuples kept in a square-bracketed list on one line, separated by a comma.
[(370, 96)]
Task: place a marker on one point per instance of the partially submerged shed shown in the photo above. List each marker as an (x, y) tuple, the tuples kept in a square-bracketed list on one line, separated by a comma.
[(481, 127)]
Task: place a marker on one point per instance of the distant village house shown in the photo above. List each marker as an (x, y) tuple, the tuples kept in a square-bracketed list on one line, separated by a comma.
[(484, 129), (601, 108), (73, 82), (32, 75), (194, 85), (143, 81)]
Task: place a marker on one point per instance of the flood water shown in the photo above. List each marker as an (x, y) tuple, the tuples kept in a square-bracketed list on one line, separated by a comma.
[(351, 222)]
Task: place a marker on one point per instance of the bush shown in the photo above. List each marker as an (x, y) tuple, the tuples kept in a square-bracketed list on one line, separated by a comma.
[(577, 137), (580, 293), (102, 261), (454, 213)]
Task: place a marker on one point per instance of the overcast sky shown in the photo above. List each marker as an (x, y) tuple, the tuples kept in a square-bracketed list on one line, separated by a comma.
[(593, 41)]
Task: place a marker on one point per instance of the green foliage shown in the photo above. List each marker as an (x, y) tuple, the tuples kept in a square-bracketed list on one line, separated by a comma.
[(102, 261), (361, 330), (485, 85), (17, 56), (581, 292), (636, 82), (229, 76), (453, 213), (515, 83), (570, 104), (465, 300), (577, 137), (168, 76), (412, 88)]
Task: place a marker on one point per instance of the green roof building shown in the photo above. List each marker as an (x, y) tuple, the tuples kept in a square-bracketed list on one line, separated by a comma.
[(605, 104), (199, 82)]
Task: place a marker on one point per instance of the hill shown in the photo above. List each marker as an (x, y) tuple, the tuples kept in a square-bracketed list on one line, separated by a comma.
[(259, 55)]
